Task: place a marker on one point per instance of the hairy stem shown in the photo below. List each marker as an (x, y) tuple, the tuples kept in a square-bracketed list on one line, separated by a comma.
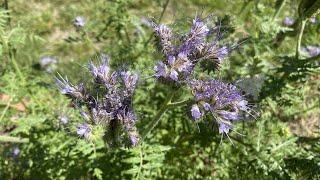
[(16, 66), (160, 18), (164, 107), (4, 138), (301, 29), (276, 14)]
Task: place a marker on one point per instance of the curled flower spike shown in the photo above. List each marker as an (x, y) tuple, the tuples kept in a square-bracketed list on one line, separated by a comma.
[(112, 108), (166, 38), (102, 74), (223, 101), (183, 54), (74, 91), (130, 80)]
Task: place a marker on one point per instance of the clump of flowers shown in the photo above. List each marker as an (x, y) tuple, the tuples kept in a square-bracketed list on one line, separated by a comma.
[(183, 54), (224, 102), (109, 105), (221, 100)]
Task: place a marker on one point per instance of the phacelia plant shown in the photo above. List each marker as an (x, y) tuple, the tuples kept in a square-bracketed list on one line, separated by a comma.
[(110, 106), (223, 101)]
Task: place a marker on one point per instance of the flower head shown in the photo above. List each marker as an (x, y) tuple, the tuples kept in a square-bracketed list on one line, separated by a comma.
[(129, 80), (102, 74), (74, 91), (111, 107), (182, 56), (223, 101)]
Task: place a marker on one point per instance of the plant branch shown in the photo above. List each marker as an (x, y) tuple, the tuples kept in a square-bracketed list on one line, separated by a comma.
[(301, 29), (276, 14), (4, 138), (158, 116)]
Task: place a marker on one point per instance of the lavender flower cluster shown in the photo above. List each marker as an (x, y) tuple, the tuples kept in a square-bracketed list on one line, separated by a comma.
[(111, 107), (223, 101), (183, 54)]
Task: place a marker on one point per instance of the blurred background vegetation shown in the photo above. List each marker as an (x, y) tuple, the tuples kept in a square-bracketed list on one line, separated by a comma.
[(282, 81)]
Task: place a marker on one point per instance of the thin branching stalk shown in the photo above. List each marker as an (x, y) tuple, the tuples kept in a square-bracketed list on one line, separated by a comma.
[(4, 138), (301, 29), (276, 14), (158, 116), (159, 20)]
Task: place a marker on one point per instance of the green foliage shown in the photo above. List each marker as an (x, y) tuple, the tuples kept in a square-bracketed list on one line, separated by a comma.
[(281, 143)]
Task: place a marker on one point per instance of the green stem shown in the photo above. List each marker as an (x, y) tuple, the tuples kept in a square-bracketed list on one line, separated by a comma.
[(298, 47), (180, 103), (158, 116), (161, 16), (279, 10), (4, 138), (17, 69)]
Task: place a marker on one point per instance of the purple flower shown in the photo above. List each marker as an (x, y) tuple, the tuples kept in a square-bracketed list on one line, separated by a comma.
[(182, 57), (165, 36), (196, 36), (224, 128), (228, 115), (161, 70), (174, 75), (84, 130), (222, 53), (134, 139), (64, 119), (73, 91), (127, 117), (312, 50), (15, 152), (195, 112), (130, 80), (223, 101), (288, 21), (206, 106), (111, 107), (79, 22)]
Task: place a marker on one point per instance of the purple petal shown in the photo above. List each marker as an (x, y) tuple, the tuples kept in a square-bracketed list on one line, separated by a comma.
[(174, 75), (229, 115), (171, 60), (224, 128), (160, 69), (195, 112)]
